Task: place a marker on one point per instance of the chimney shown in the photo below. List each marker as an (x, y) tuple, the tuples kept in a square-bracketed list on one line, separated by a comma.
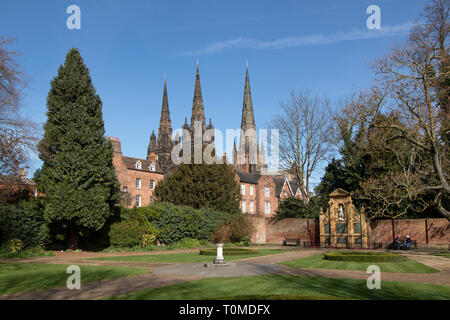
[(115, 143)]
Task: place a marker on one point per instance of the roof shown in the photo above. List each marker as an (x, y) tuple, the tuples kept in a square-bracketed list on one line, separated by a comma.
[(294, 187), (339, 193), (248, 177), (279, 184), (131, 164)]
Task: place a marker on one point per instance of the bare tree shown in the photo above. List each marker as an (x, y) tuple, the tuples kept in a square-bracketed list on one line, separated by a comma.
[(304, 126), (413, 82), (17, 134)]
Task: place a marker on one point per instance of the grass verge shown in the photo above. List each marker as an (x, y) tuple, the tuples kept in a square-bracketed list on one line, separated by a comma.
[(298, 287), (20, 277), (319, 262)]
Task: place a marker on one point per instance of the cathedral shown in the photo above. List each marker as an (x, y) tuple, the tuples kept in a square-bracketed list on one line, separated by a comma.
[(260, 192)]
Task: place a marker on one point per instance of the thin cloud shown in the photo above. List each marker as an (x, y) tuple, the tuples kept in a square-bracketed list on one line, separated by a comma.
[(292, 42)]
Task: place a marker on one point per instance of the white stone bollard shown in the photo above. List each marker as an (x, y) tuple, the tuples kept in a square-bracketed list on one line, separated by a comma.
[(219, 258)]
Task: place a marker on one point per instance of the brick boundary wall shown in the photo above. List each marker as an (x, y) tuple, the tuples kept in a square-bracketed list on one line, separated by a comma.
[(433, 233)]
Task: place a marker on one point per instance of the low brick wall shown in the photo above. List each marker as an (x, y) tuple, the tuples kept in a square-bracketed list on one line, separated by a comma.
[(428, 232), (268, 231)]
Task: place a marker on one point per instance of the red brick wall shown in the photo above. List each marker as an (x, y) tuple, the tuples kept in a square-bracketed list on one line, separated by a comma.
[(438, 230), (267, 231)]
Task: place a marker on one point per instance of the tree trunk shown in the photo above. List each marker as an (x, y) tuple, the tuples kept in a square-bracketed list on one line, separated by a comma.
[(72, 237)]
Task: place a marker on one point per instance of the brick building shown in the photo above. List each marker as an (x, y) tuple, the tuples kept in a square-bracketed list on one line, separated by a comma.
[(138, 177)]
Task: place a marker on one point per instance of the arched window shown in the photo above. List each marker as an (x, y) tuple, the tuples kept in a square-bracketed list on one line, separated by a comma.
[(152, 167), (138, 165)]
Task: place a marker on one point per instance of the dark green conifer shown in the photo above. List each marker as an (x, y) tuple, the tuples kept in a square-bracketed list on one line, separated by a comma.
[(78, 177)]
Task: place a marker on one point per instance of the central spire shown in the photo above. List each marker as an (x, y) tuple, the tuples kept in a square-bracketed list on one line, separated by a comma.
[(198, 112), (248, 117)]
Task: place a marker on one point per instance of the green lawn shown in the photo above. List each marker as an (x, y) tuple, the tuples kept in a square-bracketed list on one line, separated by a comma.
[(441, 254), (290, 287), (18, 277), (188, 257), (318, 262)]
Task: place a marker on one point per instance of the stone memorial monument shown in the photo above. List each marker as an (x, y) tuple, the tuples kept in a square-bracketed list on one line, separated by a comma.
[(342, 225)]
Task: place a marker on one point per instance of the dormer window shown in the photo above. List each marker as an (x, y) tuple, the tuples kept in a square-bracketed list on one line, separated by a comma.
[(152, 167), (138, 165)]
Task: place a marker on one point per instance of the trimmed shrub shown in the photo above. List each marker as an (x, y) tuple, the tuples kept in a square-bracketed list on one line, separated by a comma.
[(178, 222), (125, 234), (364, 256), (25, 222)]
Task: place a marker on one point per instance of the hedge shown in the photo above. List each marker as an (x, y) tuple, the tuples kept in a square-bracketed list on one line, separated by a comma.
[(24, 221), (229, 251), (175, 223), (364, 256)]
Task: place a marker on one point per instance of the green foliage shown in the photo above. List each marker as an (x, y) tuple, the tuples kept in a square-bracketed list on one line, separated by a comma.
[(201, 186), (364, 256), (188, 243), (24, 221), (77, 177), (177, 222), (295, 208), (15, 245), (240, 230), (125, 234), (27, 253), (147, 240)]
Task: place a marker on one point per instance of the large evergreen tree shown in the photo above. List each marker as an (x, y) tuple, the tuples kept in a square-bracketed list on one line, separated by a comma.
[(201, 186), (78, 177)]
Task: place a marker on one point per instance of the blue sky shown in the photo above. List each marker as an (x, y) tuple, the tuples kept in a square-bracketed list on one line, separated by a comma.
[(323, 46)]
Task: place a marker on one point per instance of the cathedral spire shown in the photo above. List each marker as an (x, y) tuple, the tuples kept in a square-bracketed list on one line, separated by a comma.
[(165, 125), (198, 112), (248, 117)]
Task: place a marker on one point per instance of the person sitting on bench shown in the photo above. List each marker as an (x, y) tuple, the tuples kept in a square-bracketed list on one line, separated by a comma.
[(407, 243), (397, 243)]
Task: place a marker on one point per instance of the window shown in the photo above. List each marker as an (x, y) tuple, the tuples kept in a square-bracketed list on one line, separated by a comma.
[(152, 167), (138, 165), (125, 189), (242, 188), (138, 201), (138, 183), (267, 207), (243, 206), (251, 190), (152, 184), (250, 209), (267, 192)]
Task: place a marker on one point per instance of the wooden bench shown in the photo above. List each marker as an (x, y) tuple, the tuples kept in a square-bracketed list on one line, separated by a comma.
[(295, 241)]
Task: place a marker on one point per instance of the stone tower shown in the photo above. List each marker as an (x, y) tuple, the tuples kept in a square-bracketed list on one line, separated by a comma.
[(198, 117), (162, 146), (248, 157)]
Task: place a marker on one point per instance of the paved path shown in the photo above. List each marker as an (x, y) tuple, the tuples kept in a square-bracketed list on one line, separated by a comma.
[(163, 274)]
